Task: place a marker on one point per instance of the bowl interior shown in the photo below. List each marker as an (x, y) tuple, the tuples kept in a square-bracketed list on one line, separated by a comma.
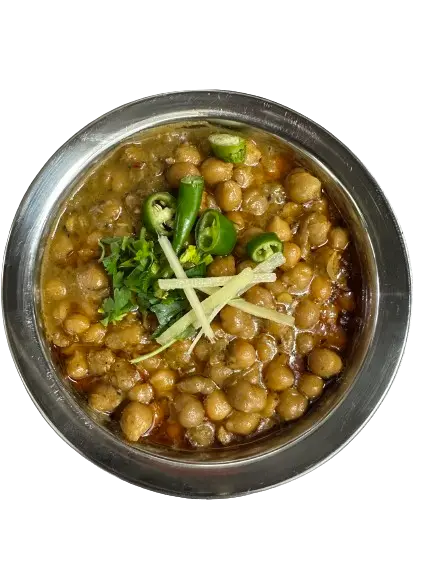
[(367, 280)]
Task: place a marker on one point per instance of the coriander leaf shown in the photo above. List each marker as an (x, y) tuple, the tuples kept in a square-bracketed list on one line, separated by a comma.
[(166, 311), (162, 328), (118, 279), (116, 308), (110, 263)]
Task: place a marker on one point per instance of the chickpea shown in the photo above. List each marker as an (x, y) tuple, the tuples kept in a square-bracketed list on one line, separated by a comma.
[(71, 223), (292, 405), (253, 374), (222, 266), (277, 287), (320, 205), (142, 393), (215, 171), (271, 404), (280, 331), (237, 219), (120, 180), (163, 380), (136, 420), (237, 323), (110, 209), (217, 406), (291, 212), (336, 338), (150, 365), (305, 343), (347, 301), (121, 339), (223, 436), (100, 361), (299, 277), (93, 240), (196, 384), (60, 339), (302, 187), (310, 385), (245, 264), (321, 288), (338, 238), (249, 234), (55, 289), (324, 363), (179, 170), (242, 423), (187, 153), (76, 366), (190, 410), (243, 175), (307, 314), (318, 230), (133, 203), (178, 356), (95, 334), (280, 227), (202, 350), (125, 375), (104, 398), (228, 195), (266, 347), (254, 202), (292, 254), (285, 298), (246, 397), (76, 324), (278, 376), (252, 154), (61, 247), (219, 373), (208, 201), (201, 436), (92, 278), (257, 295), (242, 354), (134, 153), (61, 311)]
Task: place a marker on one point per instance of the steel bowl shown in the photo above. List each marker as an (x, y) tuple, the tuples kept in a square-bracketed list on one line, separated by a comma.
[(341, 412)]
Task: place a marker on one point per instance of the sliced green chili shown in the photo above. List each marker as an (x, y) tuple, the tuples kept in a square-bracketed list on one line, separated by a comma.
[(158, 213), (188, 205), (263, 246), (228, 147), (215, 233)]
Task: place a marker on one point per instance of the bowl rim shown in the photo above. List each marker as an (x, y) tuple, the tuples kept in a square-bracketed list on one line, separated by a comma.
[(204, 479)]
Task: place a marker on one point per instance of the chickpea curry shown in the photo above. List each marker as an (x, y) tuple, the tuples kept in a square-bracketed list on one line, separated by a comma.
[(197, 287)]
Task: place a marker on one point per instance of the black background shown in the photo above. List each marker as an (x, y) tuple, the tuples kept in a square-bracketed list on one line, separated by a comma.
[(373, 468)]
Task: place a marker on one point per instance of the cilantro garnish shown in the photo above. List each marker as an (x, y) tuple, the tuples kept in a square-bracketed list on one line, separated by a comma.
[(135, 264), (117, 307)]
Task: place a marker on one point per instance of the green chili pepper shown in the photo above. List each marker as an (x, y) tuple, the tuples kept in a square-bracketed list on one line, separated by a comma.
[(215, 233), (263, 246), (228, 147), (188, 205), (158, 213)]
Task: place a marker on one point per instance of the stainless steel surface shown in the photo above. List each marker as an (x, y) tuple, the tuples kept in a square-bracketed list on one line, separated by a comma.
[(343, 410)]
